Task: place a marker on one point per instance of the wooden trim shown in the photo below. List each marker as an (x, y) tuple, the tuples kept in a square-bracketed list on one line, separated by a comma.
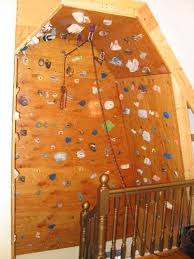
[(192, 137), (21, 43), (183, 92)]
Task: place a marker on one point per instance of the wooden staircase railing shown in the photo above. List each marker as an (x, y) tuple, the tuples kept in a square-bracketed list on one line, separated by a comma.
[(152, 215)]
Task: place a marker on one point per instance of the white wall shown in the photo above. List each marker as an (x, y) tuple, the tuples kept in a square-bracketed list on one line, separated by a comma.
[(176, 19), (7, 45), (177, 22)]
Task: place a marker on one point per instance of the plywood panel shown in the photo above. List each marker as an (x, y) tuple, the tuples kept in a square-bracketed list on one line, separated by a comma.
[(152, 128), (134, 42), (49, 193)]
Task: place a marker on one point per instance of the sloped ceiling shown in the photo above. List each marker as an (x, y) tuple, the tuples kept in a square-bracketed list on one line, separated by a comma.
[(131, 37)]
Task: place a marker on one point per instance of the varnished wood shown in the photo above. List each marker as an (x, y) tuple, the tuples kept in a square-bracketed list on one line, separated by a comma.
[(153, 235), (171, 228)]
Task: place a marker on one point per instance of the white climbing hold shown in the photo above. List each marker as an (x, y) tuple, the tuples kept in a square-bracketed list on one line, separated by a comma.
[(75, 28), (146, 136), (108, 105), (147, 161), (133, 65), (81, 154), (125, 166), (114, 46), (80, 17), (142, 114), (107, 22)]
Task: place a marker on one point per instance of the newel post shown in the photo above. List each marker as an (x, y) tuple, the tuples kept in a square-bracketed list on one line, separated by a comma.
[(83, 226), (102, 217)]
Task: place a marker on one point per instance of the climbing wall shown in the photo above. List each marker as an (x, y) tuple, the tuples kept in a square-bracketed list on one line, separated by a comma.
[(121, 122)]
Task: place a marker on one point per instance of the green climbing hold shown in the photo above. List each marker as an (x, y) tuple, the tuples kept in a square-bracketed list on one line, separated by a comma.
[(108, 125)]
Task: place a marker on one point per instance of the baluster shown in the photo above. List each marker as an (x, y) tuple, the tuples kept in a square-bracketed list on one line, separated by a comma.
[(83, 225), (152, 242), (91, 241), (114, 232), (189, 205), (134, 238), (145, 222), (123, 246), (180, 218), (171, 233), (103, 207), (161, 243), (88, 240)]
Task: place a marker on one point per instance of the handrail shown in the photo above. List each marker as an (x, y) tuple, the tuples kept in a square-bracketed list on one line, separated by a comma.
[(147, 201), (152, 187)]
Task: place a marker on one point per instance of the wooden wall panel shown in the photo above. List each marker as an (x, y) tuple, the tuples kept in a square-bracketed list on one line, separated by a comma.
[(152, 128), (49, 193)]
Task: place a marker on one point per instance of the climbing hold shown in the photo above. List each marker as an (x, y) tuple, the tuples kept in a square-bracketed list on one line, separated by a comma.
[(51, 226), (137, 37), (126, 89), (107, 22), (23, 132), (156, 88), (108, 125), (146, 71), (41, 62), (143, 55), (156, 178), (132, 65), (92, 146), (140, 171), (108, 105), (60, 156), (52, 176), (66, 183), (166, 115), (81, 154), (168, 155), (23, 100), (104, 75), (103, 33), (68, 139), (80, 197), (80, 17), (75, 28), (116, 61), (114, 46), (126, 111), (146, 136), (125, 166), (147, 161), (94, 132), (142, 88), (142, 114), (38, 124), (82, 103), (47, 63)]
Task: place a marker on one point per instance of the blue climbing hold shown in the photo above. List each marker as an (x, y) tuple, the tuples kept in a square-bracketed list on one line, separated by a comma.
[(104, 75), (68, 140), (52, 177), (168, 155), (166, 115), (126, 89), (82, 103), (94, 132)]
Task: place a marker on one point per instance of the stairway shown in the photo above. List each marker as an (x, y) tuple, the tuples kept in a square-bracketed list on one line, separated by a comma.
[(172, 254)]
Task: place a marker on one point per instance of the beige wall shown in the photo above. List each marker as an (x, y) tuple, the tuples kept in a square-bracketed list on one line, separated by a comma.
[(7, 21)]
